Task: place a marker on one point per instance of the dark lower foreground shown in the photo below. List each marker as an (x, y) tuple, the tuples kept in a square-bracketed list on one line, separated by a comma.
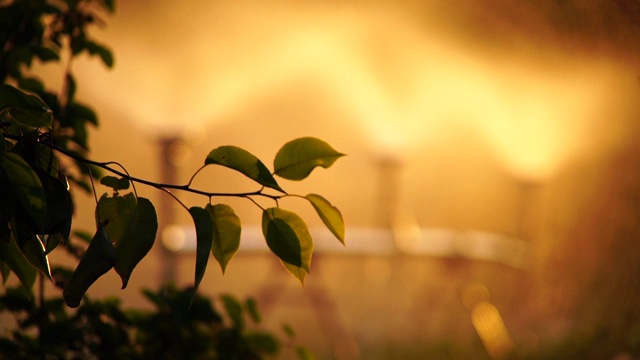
[(576, 299)]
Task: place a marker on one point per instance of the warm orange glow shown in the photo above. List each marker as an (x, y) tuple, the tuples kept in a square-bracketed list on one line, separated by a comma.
[(462, 163), (404, 87), (488, 322), (536, 119)]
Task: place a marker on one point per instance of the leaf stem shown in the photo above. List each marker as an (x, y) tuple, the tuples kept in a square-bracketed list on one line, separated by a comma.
[(175, 198), (255, 202), (194, 175)]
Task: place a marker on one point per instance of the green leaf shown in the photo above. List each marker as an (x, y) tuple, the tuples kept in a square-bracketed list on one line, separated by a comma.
[(137, 239), (48, 162), (83, 236), (64, 227), (291, 334), (241, 160), (28, 110), (80, 135), (7, 209), (31, 84), (25, 186), (252, 309), (226, 233), (59, 205), (77, 110), (53, 241), (116, 213), (5, 231), (45, 54), (297, 158), (29, 243), (5, 270), (288, 237), (296, 271), (71, 89), (329, 214), (11, 255), (99, 258), (104, 53), (264, 342), (234, 310), (34, 252), (110, 5), (204, 236), (115, 183)]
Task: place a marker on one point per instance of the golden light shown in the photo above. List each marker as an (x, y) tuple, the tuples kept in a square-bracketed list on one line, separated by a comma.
[(487, 321), (403, 85), (449, 139), (491, 329), (537, 119), (173, 238)]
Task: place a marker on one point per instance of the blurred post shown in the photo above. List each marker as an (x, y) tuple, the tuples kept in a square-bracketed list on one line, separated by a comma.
[(389, 168), (173, 151), (528, 210)]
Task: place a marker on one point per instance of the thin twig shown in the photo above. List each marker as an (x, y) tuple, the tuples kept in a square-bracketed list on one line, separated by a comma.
[(160, 186), (95, 194), (194, 175), (255, 202), (175, 198)]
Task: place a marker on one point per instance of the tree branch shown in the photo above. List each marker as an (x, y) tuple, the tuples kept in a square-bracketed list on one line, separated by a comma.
[(165, 187)]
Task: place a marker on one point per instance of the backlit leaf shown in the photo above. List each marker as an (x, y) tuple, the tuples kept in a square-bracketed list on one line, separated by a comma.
[(29, 243), (53, 241), (25, 186), (226, 233), (59, 205), (297, 158), (116, 213), (115, 183), (241, 160), (5, 270), (137, 239), (64, 227), (47, 160), (34, 252), (288, 237), (28, 110), (11, 255), (204, 236), (99, 258), (329, 214), (296, 271)]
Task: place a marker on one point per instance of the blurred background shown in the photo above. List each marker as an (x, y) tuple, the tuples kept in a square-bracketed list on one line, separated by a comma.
[(491, 191)]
